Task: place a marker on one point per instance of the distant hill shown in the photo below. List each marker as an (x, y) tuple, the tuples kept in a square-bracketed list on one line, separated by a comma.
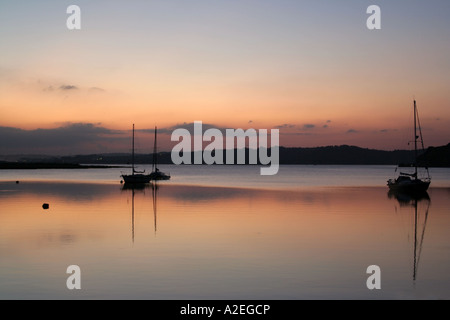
[(435, 157), (344, 154), (46, 165)]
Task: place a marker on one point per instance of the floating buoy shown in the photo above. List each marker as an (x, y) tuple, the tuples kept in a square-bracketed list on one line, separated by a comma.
[(17, 182), (121, 181), (45, 206)]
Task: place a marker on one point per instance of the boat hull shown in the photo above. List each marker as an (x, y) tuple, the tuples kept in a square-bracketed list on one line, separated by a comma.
[(136, 178), (412, 186), (159, 176)]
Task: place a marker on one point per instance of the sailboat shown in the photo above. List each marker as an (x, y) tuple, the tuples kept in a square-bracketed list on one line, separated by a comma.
[(156, 173), (136, 177), (410, 182)]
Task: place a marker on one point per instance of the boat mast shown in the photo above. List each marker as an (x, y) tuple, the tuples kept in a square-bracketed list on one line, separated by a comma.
[(154, 153), (415, 140), (132, 152)]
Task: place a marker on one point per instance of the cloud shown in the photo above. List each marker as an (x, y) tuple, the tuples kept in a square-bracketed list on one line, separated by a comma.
[(247, 132), (96, 90), (67, 138), (188, 126), (48, 89), (388, 130), (68, 87), (306, 126), (299, 134), (285, 126)]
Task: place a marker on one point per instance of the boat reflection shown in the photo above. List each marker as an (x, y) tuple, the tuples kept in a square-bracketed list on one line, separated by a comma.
[(408, 198), (135, 186), (141, 187), (413, 201)]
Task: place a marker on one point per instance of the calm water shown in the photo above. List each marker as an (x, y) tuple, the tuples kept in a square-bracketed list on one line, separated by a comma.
[(223, 232)]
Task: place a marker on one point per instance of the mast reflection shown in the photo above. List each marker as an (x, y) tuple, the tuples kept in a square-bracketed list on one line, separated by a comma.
[(153, 185), (133, 188), (412, 200)]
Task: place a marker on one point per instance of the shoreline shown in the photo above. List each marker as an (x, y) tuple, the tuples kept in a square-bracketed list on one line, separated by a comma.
[(44, 165)]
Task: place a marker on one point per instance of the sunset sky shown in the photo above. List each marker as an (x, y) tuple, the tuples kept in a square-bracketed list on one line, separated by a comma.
[(311, 69)]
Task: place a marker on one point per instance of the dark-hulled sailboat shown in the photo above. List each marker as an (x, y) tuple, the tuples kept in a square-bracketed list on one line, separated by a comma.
[(410, 182), (136, 177), (156, 173)]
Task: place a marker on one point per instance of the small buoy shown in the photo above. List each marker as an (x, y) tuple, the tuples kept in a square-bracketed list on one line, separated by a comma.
[(121, 181), (17, 182), (45, 206)]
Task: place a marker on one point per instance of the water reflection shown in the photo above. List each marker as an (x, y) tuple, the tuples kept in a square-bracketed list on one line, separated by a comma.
[(137, 187), (408, 199), (220, 242), (155, 187), (71, 192), (412, 201)]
